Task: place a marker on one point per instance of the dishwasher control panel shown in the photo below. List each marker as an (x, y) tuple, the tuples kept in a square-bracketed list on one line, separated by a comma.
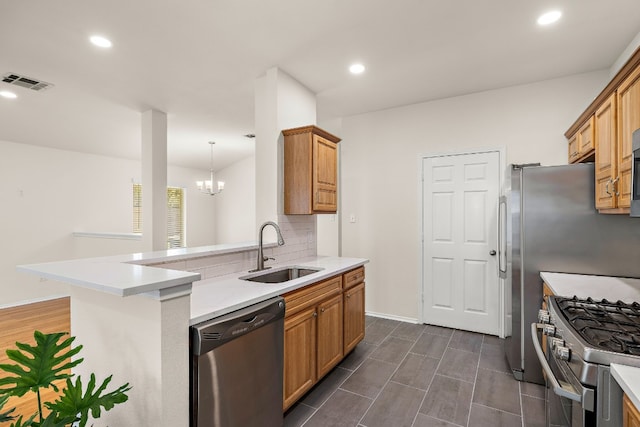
[(212, 333)]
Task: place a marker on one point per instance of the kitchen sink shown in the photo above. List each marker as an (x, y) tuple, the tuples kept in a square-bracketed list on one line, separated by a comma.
[(281, 275)]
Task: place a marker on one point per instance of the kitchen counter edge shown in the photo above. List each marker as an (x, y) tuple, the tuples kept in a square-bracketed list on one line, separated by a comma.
[(222, 295), (628, 378), (132, 274)]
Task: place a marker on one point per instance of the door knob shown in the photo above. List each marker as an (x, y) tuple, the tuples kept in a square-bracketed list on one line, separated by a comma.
[(492, 252)]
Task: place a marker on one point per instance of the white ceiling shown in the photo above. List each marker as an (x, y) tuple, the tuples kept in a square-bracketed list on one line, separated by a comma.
[(197, 60)]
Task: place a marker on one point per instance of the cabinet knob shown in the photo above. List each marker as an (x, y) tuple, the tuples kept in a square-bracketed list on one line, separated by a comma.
[(315, 314), (348, 296), (322, 310)]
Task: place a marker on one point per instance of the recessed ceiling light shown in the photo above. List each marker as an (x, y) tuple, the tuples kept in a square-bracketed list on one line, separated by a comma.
[(356, 69), (7, 94), (549, 17), (100, 41)]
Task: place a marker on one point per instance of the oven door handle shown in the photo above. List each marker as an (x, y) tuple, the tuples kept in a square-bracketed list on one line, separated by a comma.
[(555, 384)]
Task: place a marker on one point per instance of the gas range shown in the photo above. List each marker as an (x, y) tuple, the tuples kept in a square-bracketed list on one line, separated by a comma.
[(583, 337), (597, 331)]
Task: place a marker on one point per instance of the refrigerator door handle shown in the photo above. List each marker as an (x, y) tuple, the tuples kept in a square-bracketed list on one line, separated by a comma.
[(502, 233)]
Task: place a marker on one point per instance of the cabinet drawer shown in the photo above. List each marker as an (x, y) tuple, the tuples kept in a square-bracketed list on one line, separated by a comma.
[(311, 295), (353, 277)]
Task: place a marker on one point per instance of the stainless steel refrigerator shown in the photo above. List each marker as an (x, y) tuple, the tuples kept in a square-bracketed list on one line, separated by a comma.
[(552, 225)]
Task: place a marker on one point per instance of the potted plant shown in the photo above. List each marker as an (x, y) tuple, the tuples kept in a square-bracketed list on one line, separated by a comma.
[(41, 366)]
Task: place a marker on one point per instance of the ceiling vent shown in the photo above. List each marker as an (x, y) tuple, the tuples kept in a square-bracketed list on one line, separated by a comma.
[(27, 82)]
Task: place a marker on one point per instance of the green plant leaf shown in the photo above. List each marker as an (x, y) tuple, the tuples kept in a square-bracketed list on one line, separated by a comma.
[(5, 416), (40, 365), (50, 421), (73, 402), (28, 423), (54, 420)]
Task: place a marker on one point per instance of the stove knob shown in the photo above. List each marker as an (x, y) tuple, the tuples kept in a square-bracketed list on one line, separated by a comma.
[(543, 316), (549, 330), (556, 342), (563, 353)]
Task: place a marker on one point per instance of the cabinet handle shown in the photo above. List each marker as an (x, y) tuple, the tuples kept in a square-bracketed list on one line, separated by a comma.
[(315, 314), (606, 187), (348, 296), (615, 185), (322, 310)]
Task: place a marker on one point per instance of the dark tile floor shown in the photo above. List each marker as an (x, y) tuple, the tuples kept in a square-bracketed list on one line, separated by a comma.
[(407, 375)]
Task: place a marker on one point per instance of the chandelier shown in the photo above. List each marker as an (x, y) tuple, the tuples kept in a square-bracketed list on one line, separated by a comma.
[(207, 185)]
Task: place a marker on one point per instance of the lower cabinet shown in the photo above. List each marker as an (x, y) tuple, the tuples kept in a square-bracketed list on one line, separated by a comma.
[(320, 320), (299, 355), (630, 414), (353, 317), (330, 329)]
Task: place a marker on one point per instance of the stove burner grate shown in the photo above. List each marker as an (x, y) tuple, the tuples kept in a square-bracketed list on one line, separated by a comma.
[(612, 326)]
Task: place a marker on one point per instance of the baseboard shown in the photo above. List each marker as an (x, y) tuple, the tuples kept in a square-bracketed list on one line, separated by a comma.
[(392, 317)]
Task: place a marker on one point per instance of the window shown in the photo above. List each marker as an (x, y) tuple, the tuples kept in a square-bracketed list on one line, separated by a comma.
[(175, 221), (175, 215)]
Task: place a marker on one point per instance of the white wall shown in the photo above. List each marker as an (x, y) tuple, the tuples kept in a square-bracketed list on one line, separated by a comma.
[(380, 155), (329, 224), (624, 56), (281, 102), (48, 194), (235, 207)]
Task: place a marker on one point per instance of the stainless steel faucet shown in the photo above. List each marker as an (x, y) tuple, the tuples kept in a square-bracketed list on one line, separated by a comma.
[(261, 257)]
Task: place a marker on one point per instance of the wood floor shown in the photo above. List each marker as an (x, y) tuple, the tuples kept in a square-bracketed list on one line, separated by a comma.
[(410, 375)]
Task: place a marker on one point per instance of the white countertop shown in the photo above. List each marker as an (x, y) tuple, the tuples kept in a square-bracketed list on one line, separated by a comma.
[(125, 275), (596, 287), (629, 379), (116, 278), (221, 295)]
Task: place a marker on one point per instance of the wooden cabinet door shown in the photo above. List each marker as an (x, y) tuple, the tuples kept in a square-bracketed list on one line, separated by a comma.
[(628, 121), (325, 174), (606, 167), (585, 137), (329, 344), (354, 323), (299, 355), (574, 149), (630, 414)]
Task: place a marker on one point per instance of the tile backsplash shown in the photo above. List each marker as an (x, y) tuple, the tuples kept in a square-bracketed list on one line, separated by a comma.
[(298, 231)]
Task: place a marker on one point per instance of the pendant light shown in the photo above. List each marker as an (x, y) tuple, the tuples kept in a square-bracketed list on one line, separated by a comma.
[(207, 185)]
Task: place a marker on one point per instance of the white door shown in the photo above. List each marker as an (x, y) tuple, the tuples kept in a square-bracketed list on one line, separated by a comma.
[(460, 215)]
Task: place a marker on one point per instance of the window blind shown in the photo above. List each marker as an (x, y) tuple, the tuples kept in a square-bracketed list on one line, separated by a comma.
[(175, 215)]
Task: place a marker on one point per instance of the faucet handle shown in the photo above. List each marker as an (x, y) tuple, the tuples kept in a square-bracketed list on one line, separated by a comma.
[(267, 258)]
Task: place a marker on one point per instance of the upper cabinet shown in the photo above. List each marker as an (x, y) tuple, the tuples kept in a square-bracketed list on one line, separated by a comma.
[(606, 166), (606, 128), (582, 144), (628, 121), (310, 171)]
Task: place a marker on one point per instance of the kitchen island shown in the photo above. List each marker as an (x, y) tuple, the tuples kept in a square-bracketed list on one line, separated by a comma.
[(131, 313)]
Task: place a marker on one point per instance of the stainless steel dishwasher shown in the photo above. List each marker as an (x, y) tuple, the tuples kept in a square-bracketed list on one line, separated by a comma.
[(236, 368)]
